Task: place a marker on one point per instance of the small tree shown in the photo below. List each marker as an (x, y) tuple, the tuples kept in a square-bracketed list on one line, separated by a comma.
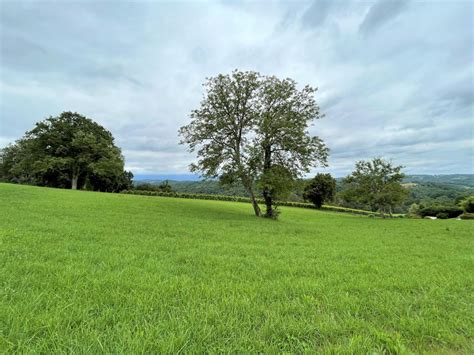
[(165, 186), (414, 210), (320, 189), (376, 183)]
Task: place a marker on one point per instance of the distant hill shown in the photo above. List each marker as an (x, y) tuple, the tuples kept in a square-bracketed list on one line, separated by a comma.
[(424, 189), (466, 180), (156, 178), (193, 183)]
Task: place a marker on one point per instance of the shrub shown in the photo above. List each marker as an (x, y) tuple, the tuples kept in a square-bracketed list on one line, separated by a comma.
[(433, 211), (468, 204), (414, 210), (467, 216), (320, 189), (442, 215), (145, 186)]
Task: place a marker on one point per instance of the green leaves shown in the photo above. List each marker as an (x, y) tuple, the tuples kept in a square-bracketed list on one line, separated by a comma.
[(320, 189), (252, 128), (61, 149), (376, 183)]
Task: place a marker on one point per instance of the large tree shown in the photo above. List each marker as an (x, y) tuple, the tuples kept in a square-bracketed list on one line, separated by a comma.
[(253, 129), (376, 183), (66, 151), (283, 146), (220, 130)]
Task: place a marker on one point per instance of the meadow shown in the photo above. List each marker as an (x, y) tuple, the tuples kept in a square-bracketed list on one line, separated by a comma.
[(93, 272)]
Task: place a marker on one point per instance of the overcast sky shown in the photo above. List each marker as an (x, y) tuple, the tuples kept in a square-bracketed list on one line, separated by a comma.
[(395, 78)]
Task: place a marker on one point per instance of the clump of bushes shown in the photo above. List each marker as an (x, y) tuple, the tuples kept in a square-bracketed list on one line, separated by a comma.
[(162, 187), (434, 211), (468, 204), (414, 211), (442, 215)]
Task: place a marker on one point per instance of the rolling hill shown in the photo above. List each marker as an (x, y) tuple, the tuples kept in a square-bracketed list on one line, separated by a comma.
[(92, 272)]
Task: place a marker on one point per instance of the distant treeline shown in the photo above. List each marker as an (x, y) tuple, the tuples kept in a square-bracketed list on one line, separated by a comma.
[(425, 190)]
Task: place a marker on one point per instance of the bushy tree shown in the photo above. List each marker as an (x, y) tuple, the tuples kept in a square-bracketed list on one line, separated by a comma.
[(376, 183), (320, 189), (414, 210), (221, 129), (468, 204), (69, 150), (283, 148), (253, 130)]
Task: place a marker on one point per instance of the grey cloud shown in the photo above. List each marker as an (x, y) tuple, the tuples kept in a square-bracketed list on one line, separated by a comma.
[(317, 13), (461, 93), (403, 92), (380, 13)]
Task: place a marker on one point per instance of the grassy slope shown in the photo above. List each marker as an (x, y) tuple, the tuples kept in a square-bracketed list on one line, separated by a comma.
[(91, 272)]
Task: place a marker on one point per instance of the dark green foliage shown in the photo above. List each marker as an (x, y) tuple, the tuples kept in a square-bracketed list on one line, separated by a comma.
[(442, 215), (433, 193), (276, 185), (320, 189), (110, 183), (468, 204), (433, 211), (164, 186), (467, 216), (68, 151)]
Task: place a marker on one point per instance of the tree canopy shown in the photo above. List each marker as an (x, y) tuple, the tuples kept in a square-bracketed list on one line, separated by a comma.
[(70, 151), (376, 183), (320, 189), (253, 129)]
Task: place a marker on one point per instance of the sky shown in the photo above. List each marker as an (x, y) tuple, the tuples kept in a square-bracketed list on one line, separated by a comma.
[(395, 79)]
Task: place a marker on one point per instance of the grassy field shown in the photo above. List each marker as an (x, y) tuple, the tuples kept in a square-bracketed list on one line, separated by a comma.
[(91, 272)]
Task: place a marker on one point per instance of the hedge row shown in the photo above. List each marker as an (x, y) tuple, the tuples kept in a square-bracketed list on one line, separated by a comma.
[(247, 200)]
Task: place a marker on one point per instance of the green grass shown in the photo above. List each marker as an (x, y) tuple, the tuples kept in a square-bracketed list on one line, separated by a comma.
[(91, 272)]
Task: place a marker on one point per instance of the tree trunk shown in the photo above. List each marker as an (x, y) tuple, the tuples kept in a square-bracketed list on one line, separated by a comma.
[(247, 182), (75, 178), (267, 196), (86, 180), (268, 204), (255, 205)]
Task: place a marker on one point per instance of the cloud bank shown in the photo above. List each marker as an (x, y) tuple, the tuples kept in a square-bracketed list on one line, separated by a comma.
[(395, 78)]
